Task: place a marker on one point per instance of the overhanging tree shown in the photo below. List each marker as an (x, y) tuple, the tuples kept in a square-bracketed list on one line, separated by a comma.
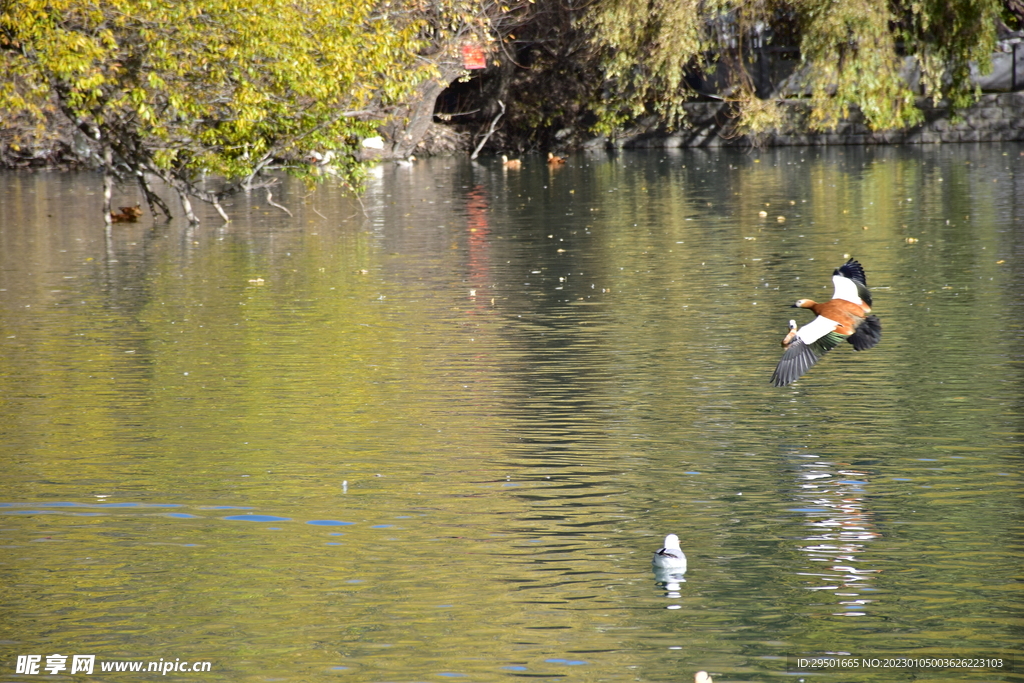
[(852, 54), (182, 91)]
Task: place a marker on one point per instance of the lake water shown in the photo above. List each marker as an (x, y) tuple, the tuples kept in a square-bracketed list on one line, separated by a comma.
[(437, 434)]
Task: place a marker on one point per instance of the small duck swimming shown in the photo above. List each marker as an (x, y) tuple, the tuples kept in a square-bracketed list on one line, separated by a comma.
[(555, 160), (671, 556), (128, 214), (514, 164), (846, 317)]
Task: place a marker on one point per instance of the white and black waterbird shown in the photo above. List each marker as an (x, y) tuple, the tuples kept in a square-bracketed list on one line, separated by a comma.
[(671, 557)]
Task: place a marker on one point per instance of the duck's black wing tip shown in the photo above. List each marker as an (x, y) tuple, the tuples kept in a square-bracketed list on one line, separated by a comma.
[(853, 270)]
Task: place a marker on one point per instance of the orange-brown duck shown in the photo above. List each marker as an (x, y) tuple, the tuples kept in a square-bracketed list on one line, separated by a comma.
[(846, 317), (127, 214)]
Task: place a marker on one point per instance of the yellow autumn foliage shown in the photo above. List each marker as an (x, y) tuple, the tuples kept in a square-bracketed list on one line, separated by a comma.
[(223, 87)]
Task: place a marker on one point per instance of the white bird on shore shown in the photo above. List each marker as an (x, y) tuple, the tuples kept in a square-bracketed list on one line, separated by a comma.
[(671, 557)]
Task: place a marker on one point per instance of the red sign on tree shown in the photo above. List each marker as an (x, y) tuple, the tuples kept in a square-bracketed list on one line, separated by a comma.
[(473, 57)]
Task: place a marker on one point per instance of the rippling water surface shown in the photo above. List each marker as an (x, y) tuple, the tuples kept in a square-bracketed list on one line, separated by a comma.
[(438, 433)]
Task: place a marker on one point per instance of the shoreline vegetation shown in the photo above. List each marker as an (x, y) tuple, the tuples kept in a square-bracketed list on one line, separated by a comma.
[(180, 92)]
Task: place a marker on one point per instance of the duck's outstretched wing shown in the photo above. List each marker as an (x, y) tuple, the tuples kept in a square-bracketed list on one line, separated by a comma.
[(851, 283), (853, 270), (812, 341), (867, 334)]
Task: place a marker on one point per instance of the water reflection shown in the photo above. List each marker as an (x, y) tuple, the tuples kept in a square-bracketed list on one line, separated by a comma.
[(516, 382), (836, 508), (670, 579)]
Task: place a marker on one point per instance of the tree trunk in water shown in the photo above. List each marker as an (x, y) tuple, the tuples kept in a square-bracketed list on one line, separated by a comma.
[(152, 199), (187, 206), (108, 185)]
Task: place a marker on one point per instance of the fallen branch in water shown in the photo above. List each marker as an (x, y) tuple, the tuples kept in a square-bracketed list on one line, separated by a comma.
[(270, 200), (490, 132)]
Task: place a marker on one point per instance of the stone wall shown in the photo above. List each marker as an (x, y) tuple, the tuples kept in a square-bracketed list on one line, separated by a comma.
[(996, 117)]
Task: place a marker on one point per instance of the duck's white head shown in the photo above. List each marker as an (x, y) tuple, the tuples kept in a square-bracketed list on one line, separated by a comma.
[(672, 542)]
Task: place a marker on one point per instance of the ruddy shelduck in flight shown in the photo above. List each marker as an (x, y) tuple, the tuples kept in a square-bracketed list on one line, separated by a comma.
[(846, 317)]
